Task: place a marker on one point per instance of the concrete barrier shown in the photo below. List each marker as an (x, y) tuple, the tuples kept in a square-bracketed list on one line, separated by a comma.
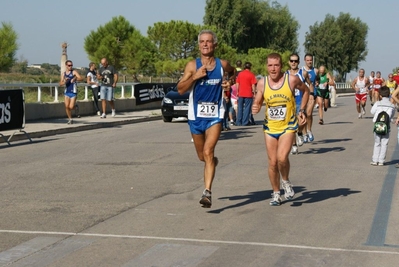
[(39, 111), (50, 110)]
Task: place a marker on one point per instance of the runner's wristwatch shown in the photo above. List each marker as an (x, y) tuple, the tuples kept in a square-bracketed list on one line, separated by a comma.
[(303, 111)]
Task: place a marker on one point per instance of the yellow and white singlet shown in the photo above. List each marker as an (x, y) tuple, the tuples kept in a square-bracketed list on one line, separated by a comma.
[(280, 114)]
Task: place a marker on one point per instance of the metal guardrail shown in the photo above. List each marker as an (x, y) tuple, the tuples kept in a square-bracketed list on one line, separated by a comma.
[(343, 86), (123, 86), (56, 87)]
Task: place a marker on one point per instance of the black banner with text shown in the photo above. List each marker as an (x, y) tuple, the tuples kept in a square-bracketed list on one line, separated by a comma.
[(12, 109), (150, 92)]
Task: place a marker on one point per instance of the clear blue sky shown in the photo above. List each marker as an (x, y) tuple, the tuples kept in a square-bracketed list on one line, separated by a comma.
[(43, 25)]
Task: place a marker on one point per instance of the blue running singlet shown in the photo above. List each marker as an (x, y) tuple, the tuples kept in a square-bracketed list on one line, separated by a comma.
[(206, 96)]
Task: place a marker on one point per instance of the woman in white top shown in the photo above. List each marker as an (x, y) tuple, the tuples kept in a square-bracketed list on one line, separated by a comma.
[(92, 80)]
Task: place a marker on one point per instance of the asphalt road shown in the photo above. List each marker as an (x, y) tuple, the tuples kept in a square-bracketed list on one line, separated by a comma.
[(128, 196)]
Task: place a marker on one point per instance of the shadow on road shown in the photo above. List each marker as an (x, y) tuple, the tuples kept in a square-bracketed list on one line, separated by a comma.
[(307, 197), (322, 150), (236, 134), (24, 142), (251, 197), (327, 141), (392, 162), (338, 122)]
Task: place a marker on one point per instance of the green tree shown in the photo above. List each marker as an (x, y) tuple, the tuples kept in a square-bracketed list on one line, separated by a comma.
[(175, 39), (338, 43), (20, 66), (139, 55), (8, 46), (258, 57), (177, 43), (171, 68), (35, 71), (246, 24), (226, 52), (51, 68), (109, 41)]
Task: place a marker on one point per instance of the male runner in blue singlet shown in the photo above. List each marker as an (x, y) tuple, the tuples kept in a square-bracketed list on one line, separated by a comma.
[(303, 76), (204, 77), (312, 72), (69, 79)]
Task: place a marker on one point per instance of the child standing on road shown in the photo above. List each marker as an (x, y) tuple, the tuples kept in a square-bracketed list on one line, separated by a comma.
[(381, 140)]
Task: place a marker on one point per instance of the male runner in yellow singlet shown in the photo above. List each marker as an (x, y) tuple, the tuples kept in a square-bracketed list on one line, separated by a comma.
[(281, 122)]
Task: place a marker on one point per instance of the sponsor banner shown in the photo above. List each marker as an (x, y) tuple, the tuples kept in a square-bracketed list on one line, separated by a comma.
[(12, 109), (150, 92)]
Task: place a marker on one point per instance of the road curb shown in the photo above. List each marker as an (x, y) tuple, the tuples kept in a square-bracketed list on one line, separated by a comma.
[(18, 136)]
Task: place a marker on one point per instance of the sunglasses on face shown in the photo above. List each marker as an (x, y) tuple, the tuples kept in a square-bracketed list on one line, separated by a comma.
[(69, 65), (294, 60)]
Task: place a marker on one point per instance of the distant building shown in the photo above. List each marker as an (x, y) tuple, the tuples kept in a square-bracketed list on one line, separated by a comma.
[(82, 68), (37, 66)]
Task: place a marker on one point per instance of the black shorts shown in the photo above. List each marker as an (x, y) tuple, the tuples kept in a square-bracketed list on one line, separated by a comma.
[(323, 93)]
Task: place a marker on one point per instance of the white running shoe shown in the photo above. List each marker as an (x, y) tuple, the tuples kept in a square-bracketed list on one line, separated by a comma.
[(98, 113), (276, 199), (310, 136), (288, 191), (113, 113), (299, 140), (103, 116), (364, 111), (294, 149), (360, 116)]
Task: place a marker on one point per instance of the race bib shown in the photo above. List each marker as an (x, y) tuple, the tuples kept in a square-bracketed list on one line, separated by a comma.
[(377, 86), (207, 110), (297, 92), (362, 90), (277, 113)]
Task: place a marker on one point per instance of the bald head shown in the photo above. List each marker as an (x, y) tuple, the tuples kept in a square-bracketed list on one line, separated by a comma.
[(104, 62)]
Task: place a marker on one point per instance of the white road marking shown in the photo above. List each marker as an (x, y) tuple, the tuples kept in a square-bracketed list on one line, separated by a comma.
[(202, 241)]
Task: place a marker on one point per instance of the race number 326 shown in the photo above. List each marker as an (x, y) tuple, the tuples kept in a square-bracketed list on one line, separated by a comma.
[(277, 113)]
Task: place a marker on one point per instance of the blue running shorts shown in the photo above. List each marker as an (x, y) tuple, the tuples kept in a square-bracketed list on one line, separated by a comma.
[(200, 126), (70, 95)]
